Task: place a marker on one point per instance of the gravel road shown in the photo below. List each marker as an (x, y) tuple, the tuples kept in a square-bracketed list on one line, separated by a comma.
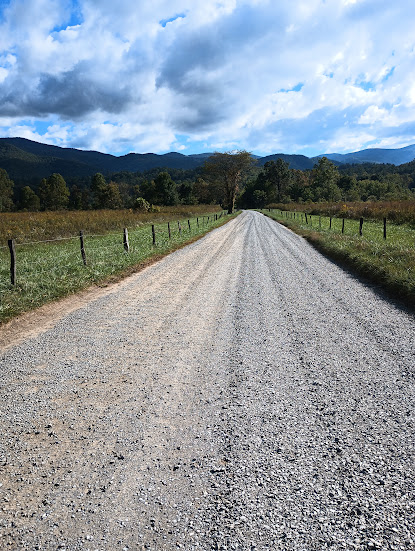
[(243, 393)]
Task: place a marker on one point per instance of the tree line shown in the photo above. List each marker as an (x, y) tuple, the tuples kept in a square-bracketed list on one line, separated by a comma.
[(326, 182), (228, 179)]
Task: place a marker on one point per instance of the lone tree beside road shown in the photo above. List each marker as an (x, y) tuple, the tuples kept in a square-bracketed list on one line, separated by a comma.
[(227, 171)]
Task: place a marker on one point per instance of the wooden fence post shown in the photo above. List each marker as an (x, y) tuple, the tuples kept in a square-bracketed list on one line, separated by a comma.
[(197, 222), (188, 223), (319, 222), (125, 239), (343, 225), (306, 218), (12, 261), (361, 227), (168, 227), (153, 231), (384, 228), (330, 224), (180, 227), (81, 239)]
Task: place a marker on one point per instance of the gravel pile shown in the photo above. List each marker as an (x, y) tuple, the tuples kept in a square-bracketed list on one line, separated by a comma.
[(244, 393)]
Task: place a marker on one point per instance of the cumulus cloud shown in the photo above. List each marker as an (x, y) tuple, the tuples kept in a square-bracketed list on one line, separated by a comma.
[(303, 76)]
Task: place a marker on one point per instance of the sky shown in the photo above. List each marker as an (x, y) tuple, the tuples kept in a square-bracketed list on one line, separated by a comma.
[(267, 76)]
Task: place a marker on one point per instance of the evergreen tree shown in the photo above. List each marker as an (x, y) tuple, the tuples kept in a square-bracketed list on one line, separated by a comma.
[(277, 176), (105, 196), (54, 193), (99, 191), (113, 196), (6, 191), (29, 200), (325, 177), (165, 190)]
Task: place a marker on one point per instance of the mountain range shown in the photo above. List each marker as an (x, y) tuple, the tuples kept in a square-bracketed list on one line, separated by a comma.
[(29, 161)]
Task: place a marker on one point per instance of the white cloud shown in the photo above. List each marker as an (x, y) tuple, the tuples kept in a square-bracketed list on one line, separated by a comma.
[(111, 77)]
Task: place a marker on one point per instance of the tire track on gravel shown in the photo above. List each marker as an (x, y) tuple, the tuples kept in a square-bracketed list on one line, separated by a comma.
[(243, 393)]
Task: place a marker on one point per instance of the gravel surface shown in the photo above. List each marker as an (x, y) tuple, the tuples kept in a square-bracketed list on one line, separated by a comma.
[(243, 393)]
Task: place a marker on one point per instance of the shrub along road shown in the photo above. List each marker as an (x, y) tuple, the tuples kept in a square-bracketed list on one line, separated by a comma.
[(243, 393)]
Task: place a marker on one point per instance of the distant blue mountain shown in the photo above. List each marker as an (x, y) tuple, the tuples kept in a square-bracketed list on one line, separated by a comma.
[(386, 156), (299, 162), (28, 160)]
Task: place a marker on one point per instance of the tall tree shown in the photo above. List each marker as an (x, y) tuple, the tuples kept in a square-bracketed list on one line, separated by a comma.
[(53, 192), (228, 170), (106, 196), (29, 200), (6, 191), (277, 175), (325, 172), (165, 190), (324, 179), (113, 199), (300, 186), (99, 190)]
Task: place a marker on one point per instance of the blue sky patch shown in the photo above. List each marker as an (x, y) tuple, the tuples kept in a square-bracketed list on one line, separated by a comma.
[(388, 74), (41, 127), (366, 85), (164, 22), (75, 18), (295, 88)]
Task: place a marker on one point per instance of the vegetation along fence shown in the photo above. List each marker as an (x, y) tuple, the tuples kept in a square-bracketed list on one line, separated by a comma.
[(346, 226), (381, 250), (31, 273)]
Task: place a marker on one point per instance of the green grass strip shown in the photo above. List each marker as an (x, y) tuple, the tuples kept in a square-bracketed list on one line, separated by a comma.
[(52, 270), (388, 262)]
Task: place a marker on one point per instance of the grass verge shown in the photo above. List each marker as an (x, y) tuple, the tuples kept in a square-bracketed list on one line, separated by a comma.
[(47, 271), (389, 263)]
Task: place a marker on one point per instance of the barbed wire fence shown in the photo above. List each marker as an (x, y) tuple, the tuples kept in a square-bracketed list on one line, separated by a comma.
[(308, 219), (31, 259)]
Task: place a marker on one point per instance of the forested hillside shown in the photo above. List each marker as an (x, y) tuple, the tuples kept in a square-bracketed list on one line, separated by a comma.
[(33, 177)]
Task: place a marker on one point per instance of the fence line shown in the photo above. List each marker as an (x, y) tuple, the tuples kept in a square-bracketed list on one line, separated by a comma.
[(84, 249), (309, 220), (45, 241)]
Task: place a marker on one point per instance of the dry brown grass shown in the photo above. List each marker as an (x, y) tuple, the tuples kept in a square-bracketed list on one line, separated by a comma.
[(399, 212), (40, 226)]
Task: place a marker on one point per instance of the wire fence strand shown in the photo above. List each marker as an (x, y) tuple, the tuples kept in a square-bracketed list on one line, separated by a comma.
[(32, 263)]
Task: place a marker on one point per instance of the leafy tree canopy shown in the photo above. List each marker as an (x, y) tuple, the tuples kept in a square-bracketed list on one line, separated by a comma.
[(228, 170)]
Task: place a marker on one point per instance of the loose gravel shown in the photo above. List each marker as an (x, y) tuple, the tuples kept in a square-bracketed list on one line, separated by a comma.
[(244, 393)]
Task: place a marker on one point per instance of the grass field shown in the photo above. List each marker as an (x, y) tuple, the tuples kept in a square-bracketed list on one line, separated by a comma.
[(39, 226), (389, 262), (399, 212), (50, 270)]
